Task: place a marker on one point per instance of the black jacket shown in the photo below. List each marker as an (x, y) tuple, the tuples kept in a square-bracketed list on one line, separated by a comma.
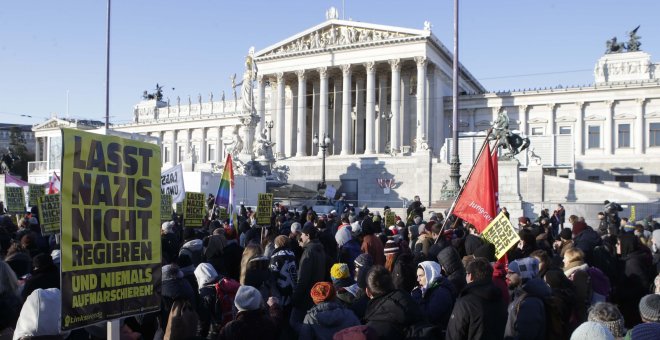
[(479, 313), (311, 270), (452, 265), (44, 278), (390, 314)]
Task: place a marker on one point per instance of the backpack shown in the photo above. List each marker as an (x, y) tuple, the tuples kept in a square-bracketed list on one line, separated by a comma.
[(555, 327), (600, 285), (225, 291)]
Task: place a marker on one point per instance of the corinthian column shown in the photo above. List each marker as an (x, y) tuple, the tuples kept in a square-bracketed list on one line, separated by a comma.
[(421, 103), (607, 136), (346, 120), (279, 144), (323, 104), (261, 105), (638, 131), (301, 145), (395, 105), (371, 108)]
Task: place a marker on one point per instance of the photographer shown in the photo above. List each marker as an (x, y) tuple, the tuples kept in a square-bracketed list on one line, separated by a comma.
[(612, 214)]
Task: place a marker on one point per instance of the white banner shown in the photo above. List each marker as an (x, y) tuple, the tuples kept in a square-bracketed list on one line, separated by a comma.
[(171, 183)]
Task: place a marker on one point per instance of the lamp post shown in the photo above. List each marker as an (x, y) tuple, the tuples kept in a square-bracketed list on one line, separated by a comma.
[(270, 125), (323, 145), (387, 115)]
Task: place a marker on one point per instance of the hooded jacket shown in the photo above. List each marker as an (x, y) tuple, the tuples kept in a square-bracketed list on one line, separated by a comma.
[(285, 273), (479, 313), (209, 322), (437, 297), (311, 269), (326, 319), (391, 313), (527, 312), (451, 262), (637, 276), (193, 248), (38, 317)]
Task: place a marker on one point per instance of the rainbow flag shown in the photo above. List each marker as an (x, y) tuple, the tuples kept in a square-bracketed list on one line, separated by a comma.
[(225, 196)]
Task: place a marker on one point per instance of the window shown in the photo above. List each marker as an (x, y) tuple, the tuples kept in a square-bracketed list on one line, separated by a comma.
[(626, 178), (210, 152), (655, 179), (624, 135), (594, 137), (654, 134), (565, 130), (537, 131), (181, 155), (166, 154)]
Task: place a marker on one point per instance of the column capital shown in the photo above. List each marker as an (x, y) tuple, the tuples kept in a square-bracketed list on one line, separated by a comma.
[(396, 64), (524, 108), (580, 105), (301, 75), (260, 79), (370, 66), (641, 101), (610, 103), (552, 106), (421, 61), (323, 72), (346, 69), (279, 76)]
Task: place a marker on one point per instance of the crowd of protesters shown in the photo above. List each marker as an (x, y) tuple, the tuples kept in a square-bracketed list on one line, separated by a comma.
[(348, 275)]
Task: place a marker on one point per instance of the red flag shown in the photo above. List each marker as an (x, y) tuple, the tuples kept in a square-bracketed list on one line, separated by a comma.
[(496, 179), (54, 185), (476, 204)]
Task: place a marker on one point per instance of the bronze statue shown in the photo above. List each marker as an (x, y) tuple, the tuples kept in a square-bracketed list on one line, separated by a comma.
[(612, 46), (633, 41), (506, 139), (633, 44)]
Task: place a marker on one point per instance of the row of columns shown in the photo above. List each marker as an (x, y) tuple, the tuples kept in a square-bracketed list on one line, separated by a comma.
[(366, 107), (189, 145)]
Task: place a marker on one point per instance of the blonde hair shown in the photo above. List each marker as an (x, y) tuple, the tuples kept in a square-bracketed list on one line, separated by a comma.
[(281, 241), (8, 280), (574, 255), (251, 251)]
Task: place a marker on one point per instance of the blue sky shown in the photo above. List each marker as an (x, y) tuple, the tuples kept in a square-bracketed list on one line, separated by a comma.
[(50, 47)]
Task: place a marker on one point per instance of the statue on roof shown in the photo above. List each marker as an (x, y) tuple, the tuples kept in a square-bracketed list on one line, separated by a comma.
[(633, 40), (157, 95), (612, 46), (506, 139)]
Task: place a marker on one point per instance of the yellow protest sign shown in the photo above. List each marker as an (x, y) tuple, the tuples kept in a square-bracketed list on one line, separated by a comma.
[(264, 208), (15, 198), (165, 208), (194, 208), (49, 213), (34, 192), (390, 218), (500, 232), (110, 239), (633, 214)]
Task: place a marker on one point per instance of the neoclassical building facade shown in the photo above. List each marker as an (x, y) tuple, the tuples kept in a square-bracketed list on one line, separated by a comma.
[(382, 95)]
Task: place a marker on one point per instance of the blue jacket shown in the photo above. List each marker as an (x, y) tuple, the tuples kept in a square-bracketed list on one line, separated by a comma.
[(437, 298), (326, 319), (527, 311)]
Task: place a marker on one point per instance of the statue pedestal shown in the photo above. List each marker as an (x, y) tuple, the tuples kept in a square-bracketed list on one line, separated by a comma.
[(509, 187)]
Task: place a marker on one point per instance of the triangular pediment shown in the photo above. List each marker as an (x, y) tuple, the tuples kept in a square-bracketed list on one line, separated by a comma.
[(336, 33), (52, 123)]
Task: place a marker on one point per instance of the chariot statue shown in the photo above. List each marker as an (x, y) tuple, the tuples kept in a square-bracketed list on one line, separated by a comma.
[(504, 138)]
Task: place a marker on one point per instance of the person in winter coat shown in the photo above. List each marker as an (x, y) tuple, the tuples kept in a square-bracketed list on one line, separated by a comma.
[(349, 247), (19, 260), (341, 276), (586, 241), (44, 275), (575, 270), (10, 300), (214, 247), (479, 312), (390, 311), (355, 296), (434, 294), (563, 297), (400, 262), (311, 270), (192, 247), (175, 287), (453, 268), (169, 241), (252, 321), (209, 321), (527, 319), (636, 266), (232, 256), (327, 317), (284, 270), (372, 244), (40, 317)]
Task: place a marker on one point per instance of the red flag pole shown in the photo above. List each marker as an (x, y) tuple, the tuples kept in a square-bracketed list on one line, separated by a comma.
[(451, 209)]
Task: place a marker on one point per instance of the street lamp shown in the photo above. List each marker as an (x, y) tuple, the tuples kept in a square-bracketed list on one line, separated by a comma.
[(323, 145), (387, 115), (270, 125)]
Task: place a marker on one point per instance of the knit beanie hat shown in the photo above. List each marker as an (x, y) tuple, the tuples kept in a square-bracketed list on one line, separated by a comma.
[(487, 251), (645, 331), (339, 271), (566, 234), (364, 260), (391, 247), (310, 230), (167, 227), (591, 330), (296, 227), (247, 298), (527, 268), (171, 272), (322, 292), (609, 316), (649, 308)]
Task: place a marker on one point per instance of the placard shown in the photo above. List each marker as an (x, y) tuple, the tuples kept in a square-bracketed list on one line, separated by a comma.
[(165, 208), (15, 197), (110, 240), (500, 232), (49, 213), (390, 218), (264, 208), (171, 183), (194, 208), (34, 192)]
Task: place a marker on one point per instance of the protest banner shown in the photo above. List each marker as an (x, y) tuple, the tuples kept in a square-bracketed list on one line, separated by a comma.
[(165, 208), (194, 208), (15, 197), (49, 213), (633, 214), (171, 183), (330, 191), (110, 239), (223, 214), (264, 208), (501, 234), (390, 219), (34, 192)]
